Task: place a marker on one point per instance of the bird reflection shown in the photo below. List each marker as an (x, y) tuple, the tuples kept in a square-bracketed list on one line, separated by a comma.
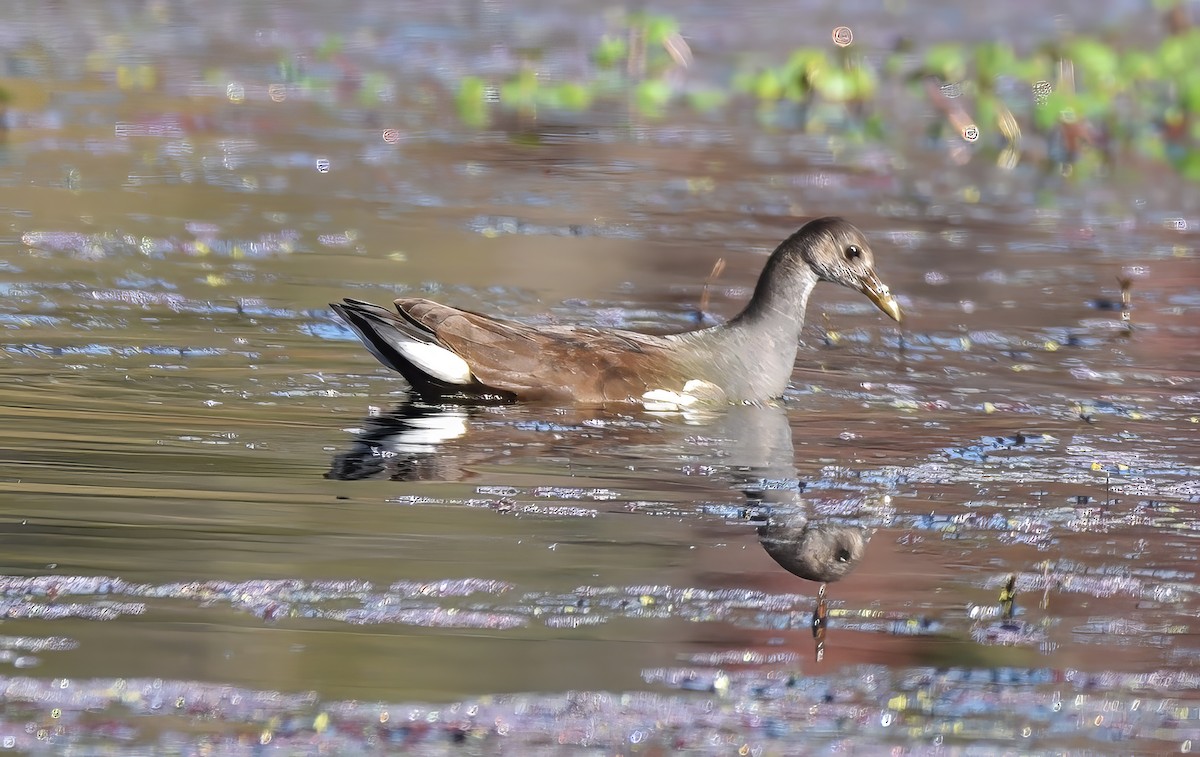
[(823, 552), (405, 444), (760, 460), (749, 446)]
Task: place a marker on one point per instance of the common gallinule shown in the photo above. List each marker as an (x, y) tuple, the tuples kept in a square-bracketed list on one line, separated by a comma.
[(446, 353)]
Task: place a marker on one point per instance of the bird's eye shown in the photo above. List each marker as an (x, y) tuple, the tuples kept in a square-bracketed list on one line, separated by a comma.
[(843, 555), (853, 252)]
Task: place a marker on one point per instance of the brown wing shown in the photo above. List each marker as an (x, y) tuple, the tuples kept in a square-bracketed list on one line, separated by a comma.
[(587, 365)]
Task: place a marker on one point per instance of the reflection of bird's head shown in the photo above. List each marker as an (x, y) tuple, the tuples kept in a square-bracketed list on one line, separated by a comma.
[(817, 552)]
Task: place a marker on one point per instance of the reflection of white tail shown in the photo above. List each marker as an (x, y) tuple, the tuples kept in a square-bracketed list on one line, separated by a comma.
[(425, 433), (406, 444)]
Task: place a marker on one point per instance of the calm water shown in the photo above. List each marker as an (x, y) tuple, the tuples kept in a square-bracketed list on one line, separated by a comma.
[(225, 529)]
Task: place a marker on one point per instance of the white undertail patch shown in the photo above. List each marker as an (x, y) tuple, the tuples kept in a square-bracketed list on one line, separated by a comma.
[(438, 362), (694, 392)]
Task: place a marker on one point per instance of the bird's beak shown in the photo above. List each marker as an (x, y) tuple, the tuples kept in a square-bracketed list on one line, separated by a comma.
[(878, 292)]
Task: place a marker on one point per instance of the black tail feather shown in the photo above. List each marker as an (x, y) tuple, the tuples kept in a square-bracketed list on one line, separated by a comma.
[(367, 320)]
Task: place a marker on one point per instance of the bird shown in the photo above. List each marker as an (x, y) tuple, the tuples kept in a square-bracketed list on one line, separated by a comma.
[(448, 355)]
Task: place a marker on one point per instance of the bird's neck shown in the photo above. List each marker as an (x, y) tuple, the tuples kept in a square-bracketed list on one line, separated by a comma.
[(751, 356), (776, 311)]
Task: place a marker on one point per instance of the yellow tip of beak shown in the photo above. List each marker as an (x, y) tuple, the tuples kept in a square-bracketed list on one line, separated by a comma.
[(888, 304), (878, 292)]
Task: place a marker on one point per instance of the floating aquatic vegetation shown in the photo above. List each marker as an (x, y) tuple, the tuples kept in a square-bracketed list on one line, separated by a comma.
[(864, 706), (1070, 577)]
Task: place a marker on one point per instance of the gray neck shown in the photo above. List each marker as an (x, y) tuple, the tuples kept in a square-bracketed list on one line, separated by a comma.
[(776, 311), (751, 356)]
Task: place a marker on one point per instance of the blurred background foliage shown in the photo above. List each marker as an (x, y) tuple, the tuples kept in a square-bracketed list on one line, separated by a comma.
[(1079, 102)]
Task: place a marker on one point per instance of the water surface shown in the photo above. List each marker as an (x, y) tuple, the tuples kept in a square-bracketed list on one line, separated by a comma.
[(226, 526)]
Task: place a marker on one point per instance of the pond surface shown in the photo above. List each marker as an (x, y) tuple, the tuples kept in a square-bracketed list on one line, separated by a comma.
[(225, 526)]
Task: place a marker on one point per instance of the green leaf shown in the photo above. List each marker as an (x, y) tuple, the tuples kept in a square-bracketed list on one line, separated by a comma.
[(472, 101), (566, 96), (806, 62), (652, 97), (986, 118), (1033, 69), (707, 100), (330, 46), (768, 85), (948, 61), (1189, 166), (864, 82), (1096, 106), (992, 60), (874, 127), (658, 28), (520, 92), (1140, 66), (1179, 53), (744, 80), (611, 51), (835, 85), (1058, 106), (795, 88), (1152, 146), (1096, 60), (1189, 92)]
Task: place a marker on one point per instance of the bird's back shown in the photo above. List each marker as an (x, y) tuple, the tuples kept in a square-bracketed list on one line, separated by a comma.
[(557, 362)]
